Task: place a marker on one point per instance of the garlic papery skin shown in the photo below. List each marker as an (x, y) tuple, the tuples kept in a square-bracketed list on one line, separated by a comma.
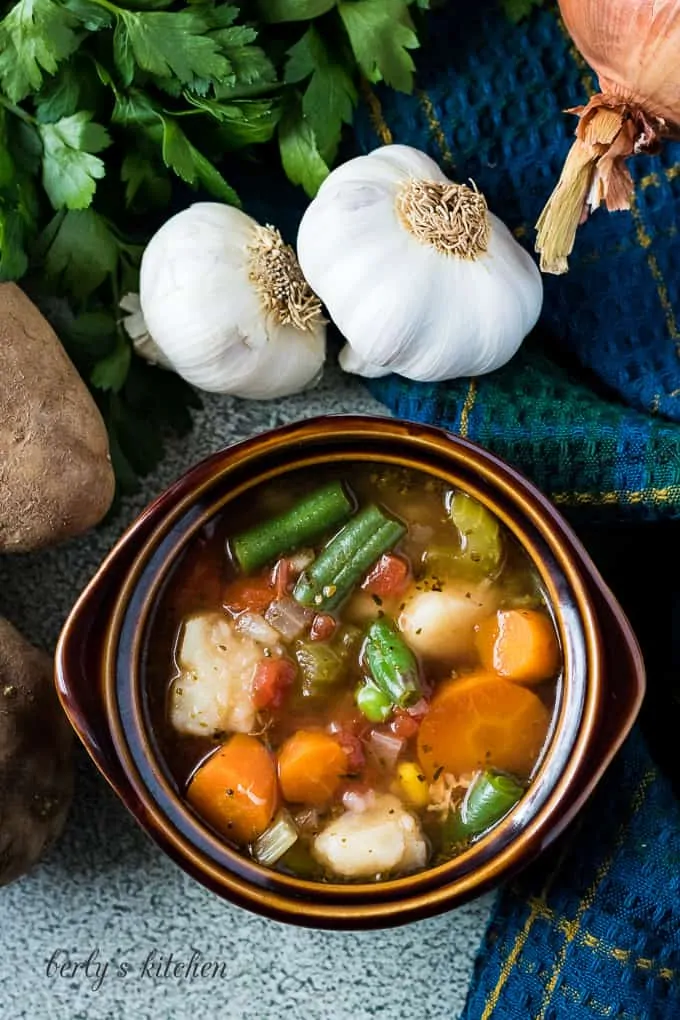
[(224, 304), (417, 274)]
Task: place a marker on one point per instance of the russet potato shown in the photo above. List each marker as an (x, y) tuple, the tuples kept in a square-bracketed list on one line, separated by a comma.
[(56, 478), (36, 769)]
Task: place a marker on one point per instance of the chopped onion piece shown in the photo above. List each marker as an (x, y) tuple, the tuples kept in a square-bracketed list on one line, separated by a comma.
[(385, 748), (308, 819), (419, 710), (276, 840), (288, 617), (358, 800), (300, 560), (256, 627)]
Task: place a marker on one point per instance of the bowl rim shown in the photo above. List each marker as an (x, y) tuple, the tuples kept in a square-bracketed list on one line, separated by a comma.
[(428, 888)]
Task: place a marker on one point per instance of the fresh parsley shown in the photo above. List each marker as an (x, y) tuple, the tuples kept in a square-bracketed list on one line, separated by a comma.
[(104, 103)]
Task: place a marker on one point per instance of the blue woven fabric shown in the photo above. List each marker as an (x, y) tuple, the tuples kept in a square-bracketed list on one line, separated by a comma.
[(489, 107), (593, 930)]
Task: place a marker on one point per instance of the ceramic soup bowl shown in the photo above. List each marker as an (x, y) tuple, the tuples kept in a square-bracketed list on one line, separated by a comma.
[(100, 675)]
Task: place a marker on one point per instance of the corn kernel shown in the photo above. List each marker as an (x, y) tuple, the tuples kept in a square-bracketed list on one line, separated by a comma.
[(413, 785)]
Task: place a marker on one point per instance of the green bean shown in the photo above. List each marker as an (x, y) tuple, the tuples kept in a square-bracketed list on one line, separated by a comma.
[(373, 703), (488, 799), (347, 558), (480, 536), (304, 522), (392, 664)]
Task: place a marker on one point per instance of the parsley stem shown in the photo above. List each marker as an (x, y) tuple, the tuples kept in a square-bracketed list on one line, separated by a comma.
[(17, 111), (108, 6)]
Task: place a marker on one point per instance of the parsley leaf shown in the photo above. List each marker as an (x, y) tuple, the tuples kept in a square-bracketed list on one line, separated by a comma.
[(251, 67), (293, 10), (90, 14), (35, 36), (73, 87), (381, 33), (300, 155), (136, 109), (69, 168), (88, 338), (13, 257), (111, 371), (140, 173), (18, 214), (18, 200), (329, 99), (518, 9), (243, 122), (193, 167), (167, 44), (138, 416), (80, 250)]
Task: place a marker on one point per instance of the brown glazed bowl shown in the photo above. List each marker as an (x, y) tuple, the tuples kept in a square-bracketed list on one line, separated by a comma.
[(99, 672)]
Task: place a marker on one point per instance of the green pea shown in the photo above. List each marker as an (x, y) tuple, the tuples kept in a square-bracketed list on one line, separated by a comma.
[(373, 703)]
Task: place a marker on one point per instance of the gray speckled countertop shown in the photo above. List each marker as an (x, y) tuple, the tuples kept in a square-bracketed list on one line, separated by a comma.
[(107, 895)]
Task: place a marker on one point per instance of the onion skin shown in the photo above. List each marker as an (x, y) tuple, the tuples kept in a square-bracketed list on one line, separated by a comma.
[(634, 47)]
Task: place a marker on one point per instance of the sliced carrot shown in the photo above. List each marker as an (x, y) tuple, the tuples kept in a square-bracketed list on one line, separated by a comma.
[(482, 721), (311, 767), (236, 790), (520, 644)]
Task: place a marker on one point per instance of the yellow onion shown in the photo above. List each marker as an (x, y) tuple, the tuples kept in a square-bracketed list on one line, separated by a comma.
[(634, 47)]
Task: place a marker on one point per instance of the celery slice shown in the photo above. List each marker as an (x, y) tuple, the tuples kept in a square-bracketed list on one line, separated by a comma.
[(481, 542), (276, 840)]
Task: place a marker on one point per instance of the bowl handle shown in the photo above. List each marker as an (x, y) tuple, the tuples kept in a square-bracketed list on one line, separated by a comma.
[(625, 684), (79, 658), (625, 678)]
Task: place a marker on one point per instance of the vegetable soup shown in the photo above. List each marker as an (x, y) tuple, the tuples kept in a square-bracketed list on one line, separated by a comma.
[(354, 672)]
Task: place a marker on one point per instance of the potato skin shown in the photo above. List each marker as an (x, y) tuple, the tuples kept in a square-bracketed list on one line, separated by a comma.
[(36, 765), (56, 478)]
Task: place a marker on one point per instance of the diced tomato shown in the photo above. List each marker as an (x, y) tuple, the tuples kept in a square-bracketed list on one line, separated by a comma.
[(353, 748), (248, 593), (323, 627), (281, 578), (404, 725), (272, 679), (390, 576)]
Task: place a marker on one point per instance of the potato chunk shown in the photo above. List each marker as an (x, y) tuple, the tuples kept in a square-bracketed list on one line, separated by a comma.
[(362, 844), (213, 692), (440, 624)]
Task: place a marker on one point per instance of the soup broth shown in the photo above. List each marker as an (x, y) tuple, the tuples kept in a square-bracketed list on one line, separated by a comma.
[(352, 672)]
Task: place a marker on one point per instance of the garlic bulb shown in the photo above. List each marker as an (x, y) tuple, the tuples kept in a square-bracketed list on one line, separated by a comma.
[(415, 271), (223, 302)]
